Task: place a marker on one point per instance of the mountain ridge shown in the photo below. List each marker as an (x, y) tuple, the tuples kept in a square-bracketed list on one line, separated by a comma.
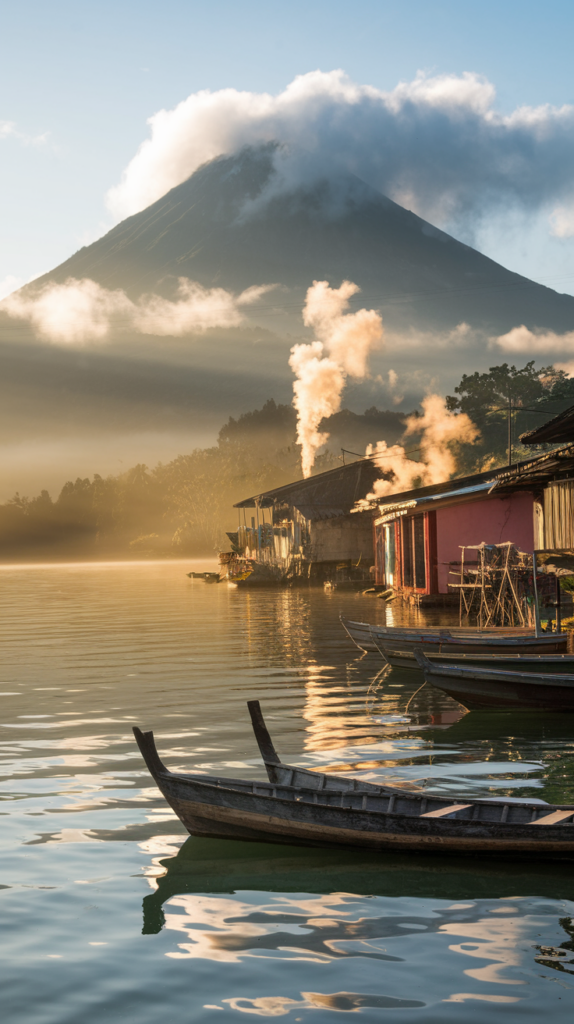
[(203, 229)]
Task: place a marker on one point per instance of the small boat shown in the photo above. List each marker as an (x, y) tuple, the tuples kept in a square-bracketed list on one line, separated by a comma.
[(438, 640), (207, 577), (307, 808), (478, 687), (512, 661), (247, 572)]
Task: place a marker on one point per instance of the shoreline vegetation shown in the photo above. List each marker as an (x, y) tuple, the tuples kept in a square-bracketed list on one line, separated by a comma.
[(183, 509), (179, 509)]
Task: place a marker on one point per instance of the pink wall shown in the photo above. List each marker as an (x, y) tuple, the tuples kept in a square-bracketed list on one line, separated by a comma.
[(492, 521)]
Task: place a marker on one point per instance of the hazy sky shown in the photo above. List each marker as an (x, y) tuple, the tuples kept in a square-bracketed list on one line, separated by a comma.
[(79, 81)]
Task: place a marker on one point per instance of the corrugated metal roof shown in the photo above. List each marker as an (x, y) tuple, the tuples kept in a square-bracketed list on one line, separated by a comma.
[(339, 489), (336, 490), (558, 430), (397, 509)]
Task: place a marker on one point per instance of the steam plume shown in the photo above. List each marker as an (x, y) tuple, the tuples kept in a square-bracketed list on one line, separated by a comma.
[(81, 311), (344, 342), (441, 430)]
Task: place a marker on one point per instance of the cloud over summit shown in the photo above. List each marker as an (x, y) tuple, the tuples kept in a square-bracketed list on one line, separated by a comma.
[(437, 145)]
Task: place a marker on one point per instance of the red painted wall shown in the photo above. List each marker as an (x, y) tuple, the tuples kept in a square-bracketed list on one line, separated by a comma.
[(492, 521)]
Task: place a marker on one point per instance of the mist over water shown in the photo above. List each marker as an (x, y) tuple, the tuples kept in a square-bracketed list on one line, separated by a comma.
[(110, 912)]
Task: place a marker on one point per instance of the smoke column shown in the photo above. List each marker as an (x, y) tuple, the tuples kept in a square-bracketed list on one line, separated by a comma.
[(441, 429), (344, 342)]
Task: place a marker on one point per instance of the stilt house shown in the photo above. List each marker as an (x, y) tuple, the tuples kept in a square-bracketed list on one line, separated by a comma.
[(419, 533), (308, 530)]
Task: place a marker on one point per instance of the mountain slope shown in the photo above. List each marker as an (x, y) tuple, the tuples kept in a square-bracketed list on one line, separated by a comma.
[(72, 410), (215, 228)]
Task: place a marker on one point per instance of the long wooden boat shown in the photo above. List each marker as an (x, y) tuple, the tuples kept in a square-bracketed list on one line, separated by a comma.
[(301, 807), (478, 687), (369, 637), (513, 662)]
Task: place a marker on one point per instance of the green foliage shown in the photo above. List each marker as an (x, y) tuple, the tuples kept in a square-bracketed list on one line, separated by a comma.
[(183, 507), (186, 506), (535, 394)]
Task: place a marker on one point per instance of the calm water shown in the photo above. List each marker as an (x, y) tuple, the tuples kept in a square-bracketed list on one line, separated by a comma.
[(109, 912)]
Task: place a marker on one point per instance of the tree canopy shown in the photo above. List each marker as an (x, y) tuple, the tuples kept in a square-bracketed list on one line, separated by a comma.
[(534, 394)]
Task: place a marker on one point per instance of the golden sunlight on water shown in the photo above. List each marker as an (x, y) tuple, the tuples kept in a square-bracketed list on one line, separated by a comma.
[(117, 916)]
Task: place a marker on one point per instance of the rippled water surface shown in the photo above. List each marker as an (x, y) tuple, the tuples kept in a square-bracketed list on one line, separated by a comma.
[(109, 912)]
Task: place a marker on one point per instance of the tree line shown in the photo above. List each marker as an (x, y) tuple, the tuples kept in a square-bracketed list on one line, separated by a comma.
[(185, 507)]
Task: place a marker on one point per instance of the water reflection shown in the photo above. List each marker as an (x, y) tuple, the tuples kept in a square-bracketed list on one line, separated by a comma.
[(217, 866), (89, 651), (278, 1006), (235, 903)]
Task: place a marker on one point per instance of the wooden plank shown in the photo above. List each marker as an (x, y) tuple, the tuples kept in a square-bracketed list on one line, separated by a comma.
[(264, 742), (441, 811), (554, 818)]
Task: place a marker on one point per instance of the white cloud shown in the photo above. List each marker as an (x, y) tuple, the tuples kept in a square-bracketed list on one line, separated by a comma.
[(522, 341), (8, 130), (436, 144), (81, 311), (461, 337)]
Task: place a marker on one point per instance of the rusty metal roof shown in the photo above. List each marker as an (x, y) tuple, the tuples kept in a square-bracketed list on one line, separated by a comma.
[(558, 430), (325, 495)]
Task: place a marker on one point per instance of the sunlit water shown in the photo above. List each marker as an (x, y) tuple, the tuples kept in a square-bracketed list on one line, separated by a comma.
[(108, 911)]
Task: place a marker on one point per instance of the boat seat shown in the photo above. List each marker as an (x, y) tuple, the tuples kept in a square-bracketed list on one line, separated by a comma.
[(442, 811), (554, 817)]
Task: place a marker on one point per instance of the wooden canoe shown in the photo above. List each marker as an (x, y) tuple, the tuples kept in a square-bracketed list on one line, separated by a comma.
[(478, 687), (369, 637), (300, 807), (513, 662)]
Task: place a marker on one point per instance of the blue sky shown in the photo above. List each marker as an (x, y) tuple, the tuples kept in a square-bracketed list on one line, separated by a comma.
[(79, 80)]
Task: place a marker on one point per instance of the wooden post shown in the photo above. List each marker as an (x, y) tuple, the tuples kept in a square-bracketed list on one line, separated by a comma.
[(538, 629), (510, 431)]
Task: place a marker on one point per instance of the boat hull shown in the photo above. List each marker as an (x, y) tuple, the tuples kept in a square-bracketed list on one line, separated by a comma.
[(252, 817), (552, 663), (401, 644), (299, 807), (484, 689)]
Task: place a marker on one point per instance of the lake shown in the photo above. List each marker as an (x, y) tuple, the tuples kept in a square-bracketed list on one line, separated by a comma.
[(110, 912)]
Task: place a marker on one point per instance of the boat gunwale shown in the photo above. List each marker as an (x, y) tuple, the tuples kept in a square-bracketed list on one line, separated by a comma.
[(458, 671), (481, 801), (218, 784)]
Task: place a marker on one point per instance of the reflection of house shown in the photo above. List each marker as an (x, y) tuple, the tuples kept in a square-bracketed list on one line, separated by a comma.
[(307, 528), (419, 533)]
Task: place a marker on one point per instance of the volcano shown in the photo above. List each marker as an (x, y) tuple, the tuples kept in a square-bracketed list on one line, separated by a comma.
[(230, 224), (236, 223)]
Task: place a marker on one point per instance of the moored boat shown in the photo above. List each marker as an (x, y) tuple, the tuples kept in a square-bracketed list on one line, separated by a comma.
[(438, 640), (478, 687), (512, 661), (301, 807)]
